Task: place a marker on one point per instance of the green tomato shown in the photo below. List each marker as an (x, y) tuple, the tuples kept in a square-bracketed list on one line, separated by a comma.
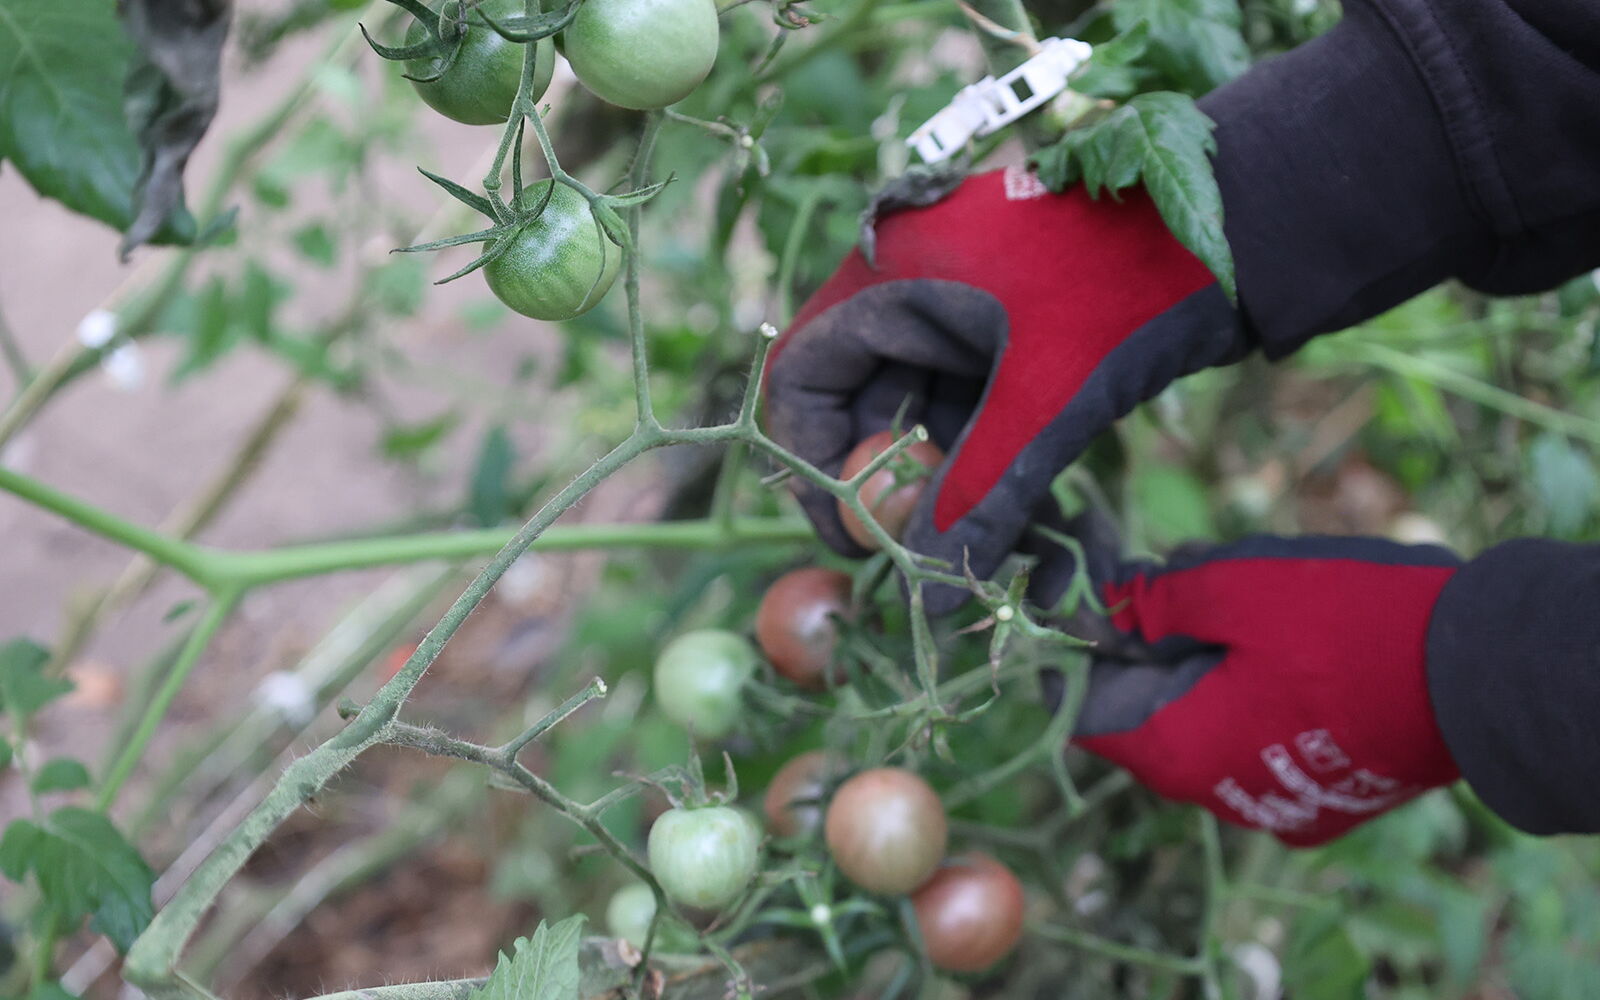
[(699, 677), (704, 857), (642, 54), (481, 85), (629, 913), (628, 916), (558, 266)]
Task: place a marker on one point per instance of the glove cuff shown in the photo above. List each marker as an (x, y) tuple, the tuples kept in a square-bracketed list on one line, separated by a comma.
[(1340, 184)]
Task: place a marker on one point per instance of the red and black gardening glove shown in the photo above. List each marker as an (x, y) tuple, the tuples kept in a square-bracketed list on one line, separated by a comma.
[(1280, 683), (1015, 325)]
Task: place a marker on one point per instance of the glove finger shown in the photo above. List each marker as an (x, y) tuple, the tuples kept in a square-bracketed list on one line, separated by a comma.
[(846, 373), (1123, 696), (1045, 401)]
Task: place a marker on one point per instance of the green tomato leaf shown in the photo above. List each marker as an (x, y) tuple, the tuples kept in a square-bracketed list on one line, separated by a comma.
[(1175, 504), (316, 244), (24, 688), (5, 754), (1113, 70), (83, 866), (545, 966), (170, 97), (1195, 44), (406, 442), (1165, 140), (62, 66), (1564, 479), (1322, 963), (50, 991), (61, 775), (490, 487)]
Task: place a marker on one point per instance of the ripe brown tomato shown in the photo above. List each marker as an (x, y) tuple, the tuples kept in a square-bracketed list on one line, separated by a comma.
[(890, 504), (794, 624), (886, 830), (969, 913), (793, 801)]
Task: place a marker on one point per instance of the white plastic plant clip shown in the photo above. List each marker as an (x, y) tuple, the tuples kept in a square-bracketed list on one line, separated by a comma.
[(990, 104)]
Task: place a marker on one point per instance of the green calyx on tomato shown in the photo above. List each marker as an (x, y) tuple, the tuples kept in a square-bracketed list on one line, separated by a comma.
[(699, 680), (704, 857), (553, 252), (642, 54), (465, 60), (558, 264)]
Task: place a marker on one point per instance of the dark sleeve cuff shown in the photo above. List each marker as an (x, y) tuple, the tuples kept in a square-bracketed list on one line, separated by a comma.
[(1418, 140), (1514, 675), (1339, 184)]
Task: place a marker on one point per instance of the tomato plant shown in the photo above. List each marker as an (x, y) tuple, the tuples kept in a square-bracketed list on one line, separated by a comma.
[(704, 857), (476, 83), (795, 624), (886, 830), (699, 680), (643, 53), (969, 913), (891, 493), (541, 513)]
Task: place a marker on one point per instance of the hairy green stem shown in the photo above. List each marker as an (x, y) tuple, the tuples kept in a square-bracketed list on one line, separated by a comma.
[(216, 569), (639, 177), (152, 962), (191, 560)]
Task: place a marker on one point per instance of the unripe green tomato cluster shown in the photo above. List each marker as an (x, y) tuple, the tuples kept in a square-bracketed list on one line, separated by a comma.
[(633, 53), (706, 856)]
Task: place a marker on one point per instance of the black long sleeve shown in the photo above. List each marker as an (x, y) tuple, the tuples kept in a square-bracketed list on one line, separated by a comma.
[(1514, 675), (1418, 140), (1422, 140)]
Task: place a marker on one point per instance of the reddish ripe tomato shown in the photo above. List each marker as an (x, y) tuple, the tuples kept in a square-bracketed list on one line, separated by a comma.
[(886, 830), (795, 623), (969, 913), (804, 779), (891, 505)]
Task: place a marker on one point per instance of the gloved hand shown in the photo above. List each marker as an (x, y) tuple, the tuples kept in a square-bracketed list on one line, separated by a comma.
[(1019, 324), (1279, 683)]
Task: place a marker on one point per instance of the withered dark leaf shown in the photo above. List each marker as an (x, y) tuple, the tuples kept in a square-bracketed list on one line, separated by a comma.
[(171, 95)]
